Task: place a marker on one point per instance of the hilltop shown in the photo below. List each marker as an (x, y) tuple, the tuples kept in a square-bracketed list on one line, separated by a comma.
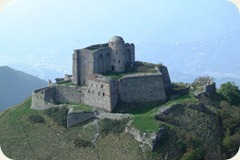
[(192, 124), (15, 86)]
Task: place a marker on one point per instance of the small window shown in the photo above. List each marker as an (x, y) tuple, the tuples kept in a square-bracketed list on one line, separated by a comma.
[(101, 86), (89, 91), (103, 94), (98, 93), (118, 61)]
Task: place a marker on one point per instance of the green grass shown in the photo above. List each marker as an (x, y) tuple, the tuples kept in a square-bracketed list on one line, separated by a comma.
[(143, 115), (139, 67), (21, 139), (81, 107), (112, 126), (145, 123), (187, 98)]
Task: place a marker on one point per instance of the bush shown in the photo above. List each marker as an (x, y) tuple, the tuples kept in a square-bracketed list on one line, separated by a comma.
[(181, 144), (113, 126), (230, 92), (35, 119), (191, 155), (59, 115), (82, 143), (231, 143)]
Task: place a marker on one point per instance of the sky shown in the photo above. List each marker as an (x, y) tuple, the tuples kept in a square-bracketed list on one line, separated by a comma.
[(42, 34)]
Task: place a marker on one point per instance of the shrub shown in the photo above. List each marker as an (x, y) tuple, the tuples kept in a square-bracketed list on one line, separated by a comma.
[(59, 115), (113, 126), (78, 142), (35, 119), (191, 155), (224, 104), (230, 92), (231, 143), (181, 144)]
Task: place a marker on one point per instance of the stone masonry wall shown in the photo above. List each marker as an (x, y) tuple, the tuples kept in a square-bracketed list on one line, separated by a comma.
[(41, 97), (102, 60), (75, 118), (166, 78), (68, 94), (210, 88), (45, 97), (98, 95), (142, 88)]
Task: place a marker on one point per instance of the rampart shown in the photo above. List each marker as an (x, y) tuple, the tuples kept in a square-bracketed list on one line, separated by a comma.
[(142, 88), (103, 92), (46, 97)]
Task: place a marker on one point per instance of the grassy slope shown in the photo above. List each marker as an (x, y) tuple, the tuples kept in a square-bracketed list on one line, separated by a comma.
[(23, 140), (191, 131)]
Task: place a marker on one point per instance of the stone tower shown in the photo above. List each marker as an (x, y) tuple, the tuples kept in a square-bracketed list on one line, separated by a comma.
[(113, 56), (116, 43)]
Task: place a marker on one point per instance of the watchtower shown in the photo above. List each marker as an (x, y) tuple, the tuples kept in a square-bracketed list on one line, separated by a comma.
[(116, 43)]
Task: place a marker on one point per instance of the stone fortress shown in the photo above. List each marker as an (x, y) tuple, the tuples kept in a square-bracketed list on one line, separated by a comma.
[(91, 84)]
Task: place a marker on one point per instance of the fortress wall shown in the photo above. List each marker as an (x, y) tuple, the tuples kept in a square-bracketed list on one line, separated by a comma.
[(82, 66), (130, 54), (41, 97), (101, 59), (86, 65), (210, 88), (68, 94), (114, 93), (75, 66), (166, 78), (75, 118), (142, 88), (98, 95)]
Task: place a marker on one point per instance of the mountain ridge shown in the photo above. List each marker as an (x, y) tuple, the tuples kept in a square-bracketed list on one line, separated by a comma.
[(15, 86)]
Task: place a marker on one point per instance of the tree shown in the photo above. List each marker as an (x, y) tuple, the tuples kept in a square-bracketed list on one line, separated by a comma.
[(230, 92)]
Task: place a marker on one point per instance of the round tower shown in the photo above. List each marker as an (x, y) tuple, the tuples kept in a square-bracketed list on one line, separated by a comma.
[(117, 45)]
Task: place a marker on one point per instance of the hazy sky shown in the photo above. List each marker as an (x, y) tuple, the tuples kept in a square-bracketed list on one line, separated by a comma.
[(34, 32)]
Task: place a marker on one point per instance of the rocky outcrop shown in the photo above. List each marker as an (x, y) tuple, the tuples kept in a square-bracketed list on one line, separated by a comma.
[(161, 135), (143, 138)]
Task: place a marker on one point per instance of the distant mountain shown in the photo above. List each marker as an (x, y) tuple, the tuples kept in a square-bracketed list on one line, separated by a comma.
[(15, 86), (216, 56)]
